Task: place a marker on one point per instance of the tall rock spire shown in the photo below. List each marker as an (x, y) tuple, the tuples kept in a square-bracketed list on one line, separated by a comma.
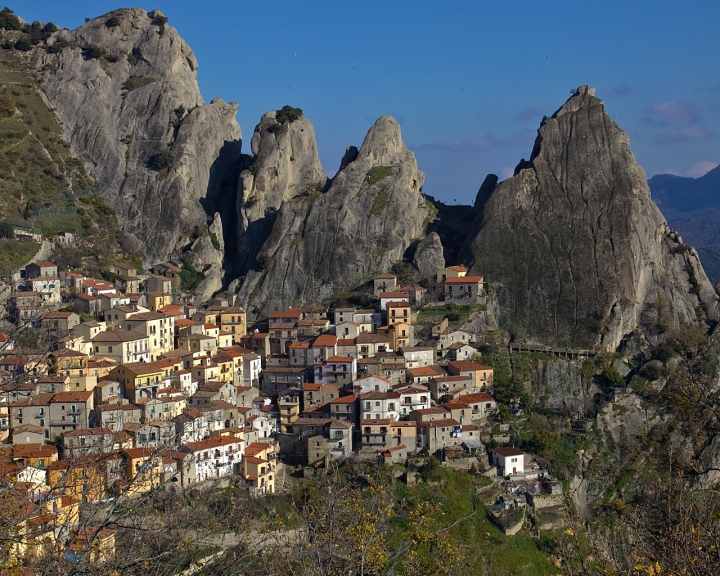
[(326, 240), (581, 254)]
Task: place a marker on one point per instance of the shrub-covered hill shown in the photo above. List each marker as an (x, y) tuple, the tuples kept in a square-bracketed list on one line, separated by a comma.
[(42, 185)]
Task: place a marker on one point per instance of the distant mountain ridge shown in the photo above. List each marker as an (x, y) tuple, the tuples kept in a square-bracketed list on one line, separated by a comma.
[(679, 197), (692, 207)]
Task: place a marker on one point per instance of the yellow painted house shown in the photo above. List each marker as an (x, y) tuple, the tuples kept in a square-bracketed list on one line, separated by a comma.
[(141, 379), (259, 468), (143, 469)]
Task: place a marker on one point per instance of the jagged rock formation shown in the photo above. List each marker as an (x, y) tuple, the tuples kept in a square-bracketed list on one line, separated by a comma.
[(428, 257), (124, 86), (582, 254), (286, 165), (322, 242)]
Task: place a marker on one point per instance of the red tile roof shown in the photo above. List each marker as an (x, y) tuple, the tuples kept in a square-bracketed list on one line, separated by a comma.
[(508, 451), (326, 340), (464, 280)]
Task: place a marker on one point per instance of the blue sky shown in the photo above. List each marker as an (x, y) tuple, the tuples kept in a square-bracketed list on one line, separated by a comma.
[(468, 81)]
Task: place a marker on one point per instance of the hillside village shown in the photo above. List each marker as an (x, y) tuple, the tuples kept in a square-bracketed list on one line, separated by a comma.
[(138, 388)]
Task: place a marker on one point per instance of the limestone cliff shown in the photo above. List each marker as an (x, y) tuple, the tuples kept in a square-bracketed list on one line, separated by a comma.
[(325, 238), (124, 86), (581, 253)]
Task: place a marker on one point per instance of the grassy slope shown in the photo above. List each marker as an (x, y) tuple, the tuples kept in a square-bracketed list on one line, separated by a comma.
[(505, 555), (37, 170)]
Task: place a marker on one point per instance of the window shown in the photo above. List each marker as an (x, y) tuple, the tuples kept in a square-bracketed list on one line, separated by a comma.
[(391, 406), (109, 349)]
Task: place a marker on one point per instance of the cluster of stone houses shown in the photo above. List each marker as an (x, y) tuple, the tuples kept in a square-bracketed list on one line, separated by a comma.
[(142, 388)]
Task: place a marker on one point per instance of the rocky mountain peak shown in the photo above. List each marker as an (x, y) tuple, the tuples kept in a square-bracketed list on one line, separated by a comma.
[(581, 254), (124, 85), (383, 144), (326, 239), (584, 97), (286, 159)]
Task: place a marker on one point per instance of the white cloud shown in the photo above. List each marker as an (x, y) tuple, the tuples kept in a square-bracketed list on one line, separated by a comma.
[(690, 134), (506, 172), (676, 112), (700, 169)]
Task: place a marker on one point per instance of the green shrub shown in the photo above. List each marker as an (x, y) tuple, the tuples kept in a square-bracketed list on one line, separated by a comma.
[(7, 230), (8, 20), (160, 21), (214, 240), (7, 105), (161, 161), (92, 51), (288, 114), (59, 46), (190, 277), (39, 32), (23, 44), (250, 202), (263, 261), (112, 22), (135, 82), (612, 378)]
